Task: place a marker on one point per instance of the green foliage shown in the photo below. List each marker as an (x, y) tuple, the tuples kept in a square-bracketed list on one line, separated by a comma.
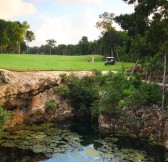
[(84, 45), (50, 105), (96, 72), (118, 92), (131, 97), (148, 40), (113, 85), (12, 34), (64, 78), (152, 64), (56, 89), (108, 93), (64, 91), (151, 93), (135, 80), (95, 110), (83, 93), (4, 116)]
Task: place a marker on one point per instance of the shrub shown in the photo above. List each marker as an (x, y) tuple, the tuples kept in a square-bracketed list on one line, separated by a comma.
[(97, 72), (63, 90), (64, 78), (83, 93), (151, 92), (50, 105), (56, 89), (95, 110), (130, 97), (108, 93), (120, 92), (4, 116), (113, 87)]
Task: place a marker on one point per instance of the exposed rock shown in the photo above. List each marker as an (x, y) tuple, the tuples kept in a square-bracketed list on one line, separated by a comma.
[(5, 76), (149, 122), (37, 109), (20, 87), (27, 93)]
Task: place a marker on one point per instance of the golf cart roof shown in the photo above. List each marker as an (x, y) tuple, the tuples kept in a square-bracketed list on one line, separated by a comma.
[(109, 57)]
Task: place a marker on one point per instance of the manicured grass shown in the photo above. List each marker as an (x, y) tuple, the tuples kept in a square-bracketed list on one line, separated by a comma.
[(56, 62)]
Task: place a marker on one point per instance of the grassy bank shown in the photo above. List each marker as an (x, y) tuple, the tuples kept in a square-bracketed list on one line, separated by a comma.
[(55, 62)]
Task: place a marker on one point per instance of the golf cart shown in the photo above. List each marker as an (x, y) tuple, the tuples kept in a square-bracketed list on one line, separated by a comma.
[(109, 61)]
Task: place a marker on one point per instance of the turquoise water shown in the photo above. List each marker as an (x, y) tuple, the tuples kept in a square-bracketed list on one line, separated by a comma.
[(74, 143)]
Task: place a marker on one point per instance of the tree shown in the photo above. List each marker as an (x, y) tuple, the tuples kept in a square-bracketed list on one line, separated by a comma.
[(84, 45), (51, 43), (145, 26), (4, 39), (110, 38), (29, 36), (11, 35), (23, 47), (105, 23), (154, 17), (16, 34)]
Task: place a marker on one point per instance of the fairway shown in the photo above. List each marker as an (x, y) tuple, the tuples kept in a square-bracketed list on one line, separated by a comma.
[(56, 62)]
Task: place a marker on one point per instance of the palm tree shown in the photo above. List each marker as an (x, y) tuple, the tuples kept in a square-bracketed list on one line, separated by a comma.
[(29, 36), (51, 43)]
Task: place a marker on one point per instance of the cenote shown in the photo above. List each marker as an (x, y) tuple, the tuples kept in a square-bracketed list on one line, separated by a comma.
[(75, 142)]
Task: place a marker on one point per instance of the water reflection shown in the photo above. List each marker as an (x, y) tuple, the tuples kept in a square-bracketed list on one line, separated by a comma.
[(81, 143)]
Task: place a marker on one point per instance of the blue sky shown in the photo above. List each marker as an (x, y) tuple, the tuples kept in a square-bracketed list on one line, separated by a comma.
[(66, 21)]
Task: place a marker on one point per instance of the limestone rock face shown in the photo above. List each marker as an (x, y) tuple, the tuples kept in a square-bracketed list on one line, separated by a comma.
[(149, 122), (18, 88), (37, 110), (26, 93), (5, 76)]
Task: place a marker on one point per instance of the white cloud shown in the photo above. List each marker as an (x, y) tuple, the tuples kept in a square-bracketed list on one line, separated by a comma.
[(37, 1), (13, 8), (67, 24), (66, 30), (80, 1)]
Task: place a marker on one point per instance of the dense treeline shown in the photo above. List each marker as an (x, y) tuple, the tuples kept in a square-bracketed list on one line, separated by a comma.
[(13, 35), (101, 46)]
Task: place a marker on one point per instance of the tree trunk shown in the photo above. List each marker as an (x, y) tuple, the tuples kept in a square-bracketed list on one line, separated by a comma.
[(50, 51), (18, 47), (132, 71), (117, 55), (112, 52), (164, 80), (27, 48), (1, 48)]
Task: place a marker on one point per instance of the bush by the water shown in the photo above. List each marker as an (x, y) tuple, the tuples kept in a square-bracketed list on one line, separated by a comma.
[(120, 92), (108, 93), (4, 116), (83, 93)]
